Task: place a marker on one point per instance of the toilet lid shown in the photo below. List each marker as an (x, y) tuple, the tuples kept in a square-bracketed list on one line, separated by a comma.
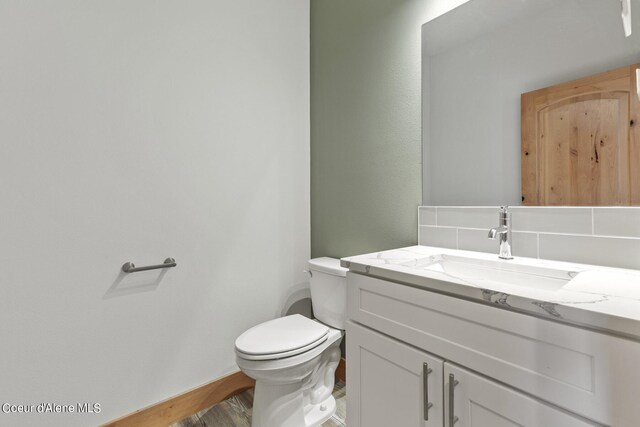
[(282, 337)]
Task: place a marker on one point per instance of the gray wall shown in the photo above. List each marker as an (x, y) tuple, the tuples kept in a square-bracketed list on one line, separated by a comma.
[(134, 131), (366, 130)]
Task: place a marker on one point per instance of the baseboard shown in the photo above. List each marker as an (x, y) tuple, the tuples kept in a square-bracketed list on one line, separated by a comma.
[(178, 407), (341, 370), (183, 405)]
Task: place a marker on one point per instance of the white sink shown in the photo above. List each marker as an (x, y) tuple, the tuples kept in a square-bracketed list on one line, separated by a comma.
[(498, 273)]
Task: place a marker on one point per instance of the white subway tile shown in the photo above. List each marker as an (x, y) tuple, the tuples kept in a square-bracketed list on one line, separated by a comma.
[(617, 221), (572, 220), (427, 215), (468, 216), (476, 240), (524, 244), (442, 237), (609, 251)]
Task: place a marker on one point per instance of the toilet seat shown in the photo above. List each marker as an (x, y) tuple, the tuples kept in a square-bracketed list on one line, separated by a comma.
[(280, 338)]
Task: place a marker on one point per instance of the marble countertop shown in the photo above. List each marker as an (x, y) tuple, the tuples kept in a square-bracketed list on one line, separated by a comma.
[(610, 301)]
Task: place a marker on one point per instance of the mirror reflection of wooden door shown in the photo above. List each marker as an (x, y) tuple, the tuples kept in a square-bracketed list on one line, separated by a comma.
[(581, 142)]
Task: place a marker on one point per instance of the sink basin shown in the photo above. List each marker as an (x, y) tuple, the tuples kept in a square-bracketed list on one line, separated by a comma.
[(498, 273)]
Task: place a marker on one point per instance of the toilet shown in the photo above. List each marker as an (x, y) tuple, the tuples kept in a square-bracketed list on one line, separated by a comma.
[(293, 358)]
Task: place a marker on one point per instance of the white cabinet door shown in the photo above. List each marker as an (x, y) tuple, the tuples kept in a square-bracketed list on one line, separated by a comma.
[(480, 402), (391, 384)]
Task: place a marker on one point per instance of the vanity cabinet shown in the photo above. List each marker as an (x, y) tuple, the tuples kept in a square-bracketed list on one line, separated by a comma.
[(512, 368), (478, 401), (394, 384), (397, 385)]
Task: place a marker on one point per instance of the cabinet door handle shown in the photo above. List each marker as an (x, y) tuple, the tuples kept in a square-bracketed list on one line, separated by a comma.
[(452, 383), (425, 385)]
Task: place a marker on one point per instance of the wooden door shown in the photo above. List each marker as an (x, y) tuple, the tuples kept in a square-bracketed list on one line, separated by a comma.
[(390, 383), (580, 142), (478, 401)]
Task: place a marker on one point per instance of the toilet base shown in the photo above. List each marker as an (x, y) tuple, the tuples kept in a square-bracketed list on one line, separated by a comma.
[(282, 406), (277, 405), (318, 414)]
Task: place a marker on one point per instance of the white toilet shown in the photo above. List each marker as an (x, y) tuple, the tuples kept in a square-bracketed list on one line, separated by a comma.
[(293, 359)]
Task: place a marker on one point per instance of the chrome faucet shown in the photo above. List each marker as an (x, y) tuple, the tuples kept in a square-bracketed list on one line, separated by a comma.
[(503, 232)]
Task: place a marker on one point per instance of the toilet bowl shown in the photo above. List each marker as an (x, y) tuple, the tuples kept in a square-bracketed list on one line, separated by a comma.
[(293, 359)]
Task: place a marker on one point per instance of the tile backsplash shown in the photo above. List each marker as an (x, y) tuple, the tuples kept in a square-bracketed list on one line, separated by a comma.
[(607, 236)]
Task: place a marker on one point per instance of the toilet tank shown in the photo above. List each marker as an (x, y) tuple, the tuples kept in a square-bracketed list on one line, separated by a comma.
[(328, 291)]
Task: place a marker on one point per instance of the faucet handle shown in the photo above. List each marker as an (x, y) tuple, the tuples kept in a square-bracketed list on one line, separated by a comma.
[(504, 214)]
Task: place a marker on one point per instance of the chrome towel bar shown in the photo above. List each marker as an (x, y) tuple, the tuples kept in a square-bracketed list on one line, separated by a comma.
[(129, 267)]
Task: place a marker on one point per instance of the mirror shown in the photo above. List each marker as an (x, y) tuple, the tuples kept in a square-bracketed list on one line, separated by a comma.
[(478, 60)]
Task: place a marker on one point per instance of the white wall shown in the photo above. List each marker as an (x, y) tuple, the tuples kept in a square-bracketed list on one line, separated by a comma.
[(473, 82), (436, 8), (134, 131)]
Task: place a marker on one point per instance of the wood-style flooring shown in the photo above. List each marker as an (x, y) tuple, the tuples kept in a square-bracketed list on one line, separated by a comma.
[(236, 412)]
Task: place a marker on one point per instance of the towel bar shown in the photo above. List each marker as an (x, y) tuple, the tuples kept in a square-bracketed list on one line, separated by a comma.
[(129, 267)]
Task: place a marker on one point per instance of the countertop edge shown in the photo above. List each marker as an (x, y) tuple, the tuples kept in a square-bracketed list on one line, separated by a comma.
[(564, 313)]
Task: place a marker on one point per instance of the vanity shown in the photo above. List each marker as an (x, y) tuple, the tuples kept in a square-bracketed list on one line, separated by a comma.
[(447, 337), (533, 103)]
